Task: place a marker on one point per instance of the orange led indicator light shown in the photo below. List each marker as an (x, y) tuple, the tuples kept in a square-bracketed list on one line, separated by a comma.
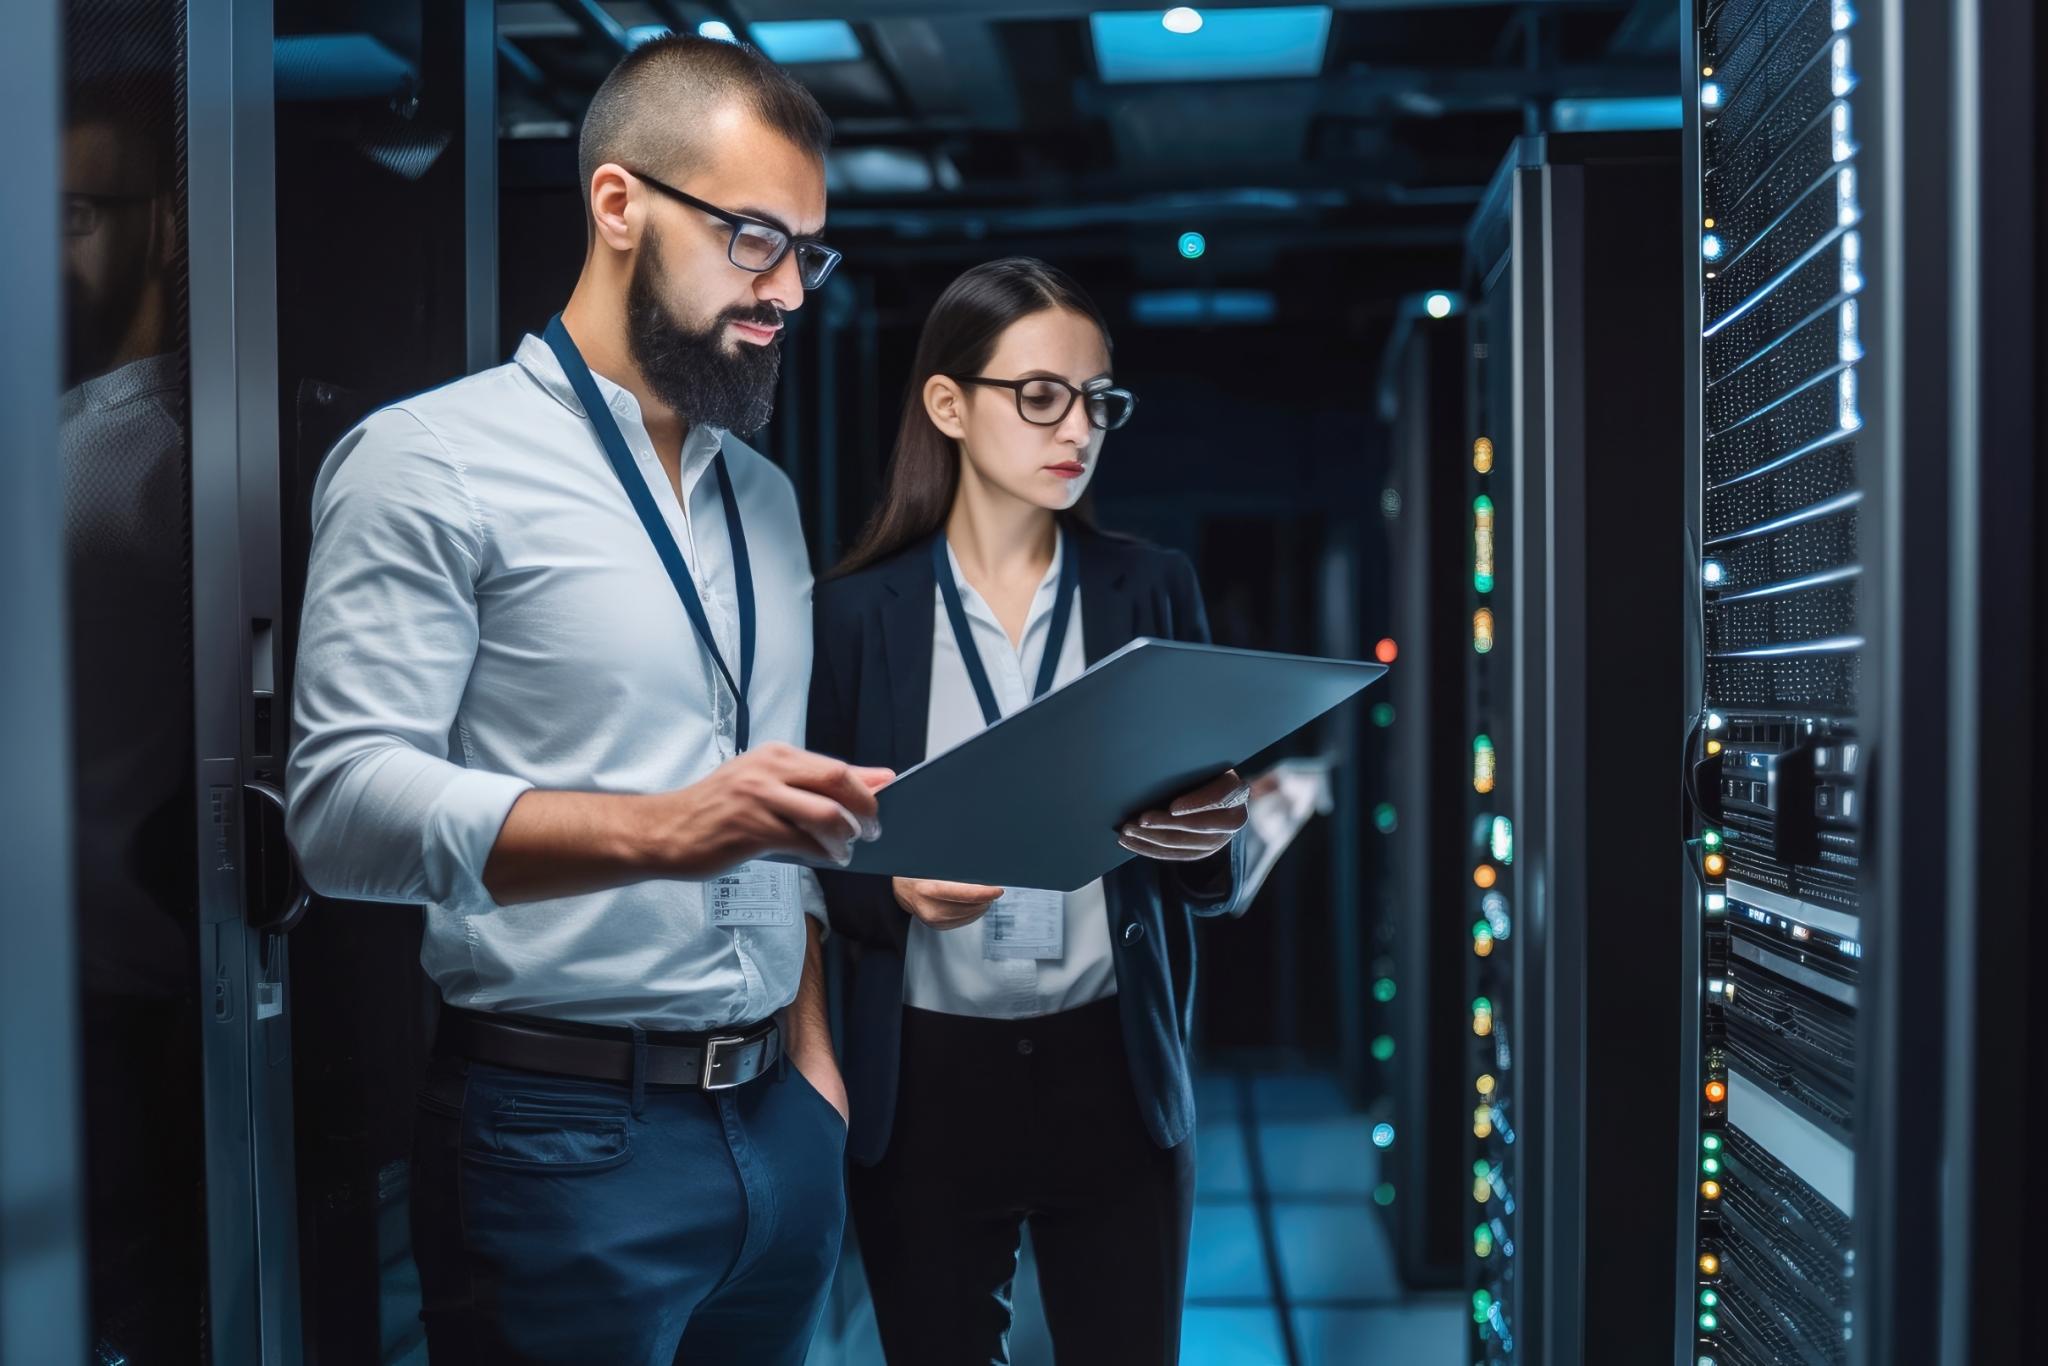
[(1717, 1091), (1386, 650), (1713, 748), (1484, 875), (1716, 865), (1711, 1189), (1710, 1265)]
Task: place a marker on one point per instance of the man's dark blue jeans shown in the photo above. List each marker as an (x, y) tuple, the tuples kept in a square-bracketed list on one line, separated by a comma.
[(563, 1220)]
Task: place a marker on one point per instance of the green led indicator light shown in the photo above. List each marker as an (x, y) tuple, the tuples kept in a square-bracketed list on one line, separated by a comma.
[(1712, 1143), (1712, 840), (1383, 1047), (1385, 819), (1480, 1168), (1708, 1323), (1712, 1166), (1383, 714), (1482, 582), (1481, 1003), (1709, 1299), (1383, 1193), (1383, 990)]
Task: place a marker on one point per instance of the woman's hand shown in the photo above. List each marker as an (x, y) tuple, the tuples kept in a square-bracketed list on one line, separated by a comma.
[(1194, 825), (944, 905)]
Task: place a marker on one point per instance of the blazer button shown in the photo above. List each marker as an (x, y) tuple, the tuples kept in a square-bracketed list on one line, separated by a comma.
[(1133, 932)]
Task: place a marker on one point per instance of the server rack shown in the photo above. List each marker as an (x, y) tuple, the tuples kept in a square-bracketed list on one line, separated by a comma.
[(1875, 165), (1777, 762), (1575, 410), (1422, 394)]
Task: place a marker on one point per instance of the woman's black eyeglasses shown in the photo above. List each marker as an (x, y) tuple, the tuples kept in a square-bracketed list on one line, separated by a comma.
[(759, 247), (1046, 402)]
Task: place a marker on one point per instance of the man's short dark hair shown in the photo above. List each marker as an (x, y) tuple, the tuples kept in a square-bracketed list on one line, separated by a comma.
[(648, 112)]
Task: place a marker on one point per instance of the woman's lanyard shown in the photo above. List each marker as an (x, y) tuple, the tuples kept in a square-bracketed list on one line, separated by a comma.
[(1062, 609), (621, 456)]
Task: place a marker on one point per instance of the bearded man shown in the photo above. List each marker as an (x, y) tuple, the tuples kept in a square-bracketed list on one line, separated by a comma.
[(551, 684)]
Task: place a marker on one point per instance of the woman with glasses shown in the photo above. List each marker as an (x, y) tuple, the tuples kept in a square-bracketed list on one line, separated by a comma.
[(1014, 1055)]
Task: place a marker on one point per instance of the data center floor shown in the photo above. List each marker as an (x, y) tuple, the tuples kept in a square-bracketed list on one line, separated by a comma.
[(1291, 1264)]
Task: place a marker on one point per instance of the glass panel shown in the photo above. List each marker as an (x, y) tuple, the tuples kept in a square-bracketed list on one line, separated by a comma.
[(126, 451)]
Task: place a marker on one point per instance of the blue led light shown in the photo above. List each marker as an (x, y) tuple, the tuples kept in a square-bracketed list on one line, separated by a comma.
[(1710, 95), (793, 41), (1382, 1135), (1438, 305), (1710, 247), (1711, 573), (1181, 19), (1191, 245), (1232, 44), (1842, 14)]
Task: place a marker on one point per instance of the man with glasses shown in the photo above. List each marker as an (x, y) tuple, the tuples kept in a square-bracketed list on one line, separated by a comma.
[(552, 677)]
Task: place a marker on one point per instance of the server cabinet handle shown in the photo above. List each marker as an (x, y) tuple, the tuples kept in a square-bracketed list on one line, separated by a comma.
[(278, 896)]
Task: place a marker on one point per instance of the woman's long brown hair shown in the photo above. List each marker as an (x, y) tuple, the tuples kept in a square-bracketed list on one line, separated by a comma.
[(963, 331)]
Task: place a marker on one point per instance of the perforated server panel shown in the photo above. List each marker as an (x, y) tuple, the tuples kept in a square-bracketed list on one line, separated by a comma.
[(1775, 764)]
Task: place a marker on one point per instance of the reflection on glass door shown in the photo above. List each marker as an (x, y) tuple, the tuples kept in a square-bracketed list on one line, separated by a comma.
[(124, 440)]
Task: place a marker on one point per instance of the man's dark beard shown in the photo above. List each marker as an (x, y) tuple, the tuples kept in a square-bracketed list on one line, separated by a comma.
[(695, 372)]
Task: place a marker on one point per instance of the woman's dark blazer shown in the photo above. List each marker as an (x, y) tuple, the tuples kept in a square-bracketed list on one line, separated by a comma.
[(870, 697)]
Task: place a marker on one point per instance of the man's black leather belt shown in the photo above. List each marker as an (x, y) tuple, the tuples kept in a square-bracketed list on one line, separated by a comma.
[(713, 1061)]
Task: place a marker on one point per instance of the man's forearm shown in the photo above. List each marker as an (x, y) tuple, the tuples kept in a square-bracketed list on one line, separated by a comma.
[(568, 843), (806, 1029)]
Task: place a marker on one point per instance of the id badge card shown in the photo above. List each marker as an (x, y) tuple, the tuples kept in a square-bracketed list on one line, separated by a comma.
[(757, 893), (1025, 923)]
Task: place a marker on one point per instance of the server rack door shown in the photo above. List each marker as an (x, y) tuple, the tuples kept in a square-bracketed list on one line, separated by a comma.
[(42, 1289), (1573, 1009), (249, 897)]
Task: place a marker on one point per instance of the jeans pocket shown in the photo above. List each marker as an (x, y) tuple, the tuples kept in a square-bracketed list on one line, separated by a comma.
[(796, 1075), (547, 1138)]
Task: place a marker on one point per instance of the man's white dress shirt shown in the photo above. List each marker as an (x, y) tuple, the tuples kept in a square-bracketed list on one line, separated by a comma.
[(485, 614)]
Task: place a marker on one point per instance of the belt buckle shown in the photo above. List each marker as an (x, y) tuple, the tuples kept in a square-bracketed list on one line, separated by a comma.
[(711, 1047)]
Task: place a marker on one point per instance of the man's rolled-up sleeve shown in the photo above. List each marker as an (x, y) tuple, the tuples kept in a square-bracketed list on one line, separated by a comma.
[(379, 809)]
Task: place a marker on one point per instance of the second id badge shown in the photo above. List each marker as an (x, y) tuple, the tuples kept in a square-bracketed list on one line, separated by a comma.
[(1025, 923), (757, 893)]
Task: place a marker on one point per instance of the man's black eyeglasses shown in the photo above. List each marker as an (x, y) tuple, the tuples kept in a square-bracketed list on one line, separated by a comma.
[(1046, 402), (759, 247)]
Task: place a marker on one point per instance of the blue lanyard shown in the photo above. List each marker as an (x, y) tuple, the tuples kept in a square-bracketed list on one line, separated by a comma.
[(614, 442), (1056, 637)]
